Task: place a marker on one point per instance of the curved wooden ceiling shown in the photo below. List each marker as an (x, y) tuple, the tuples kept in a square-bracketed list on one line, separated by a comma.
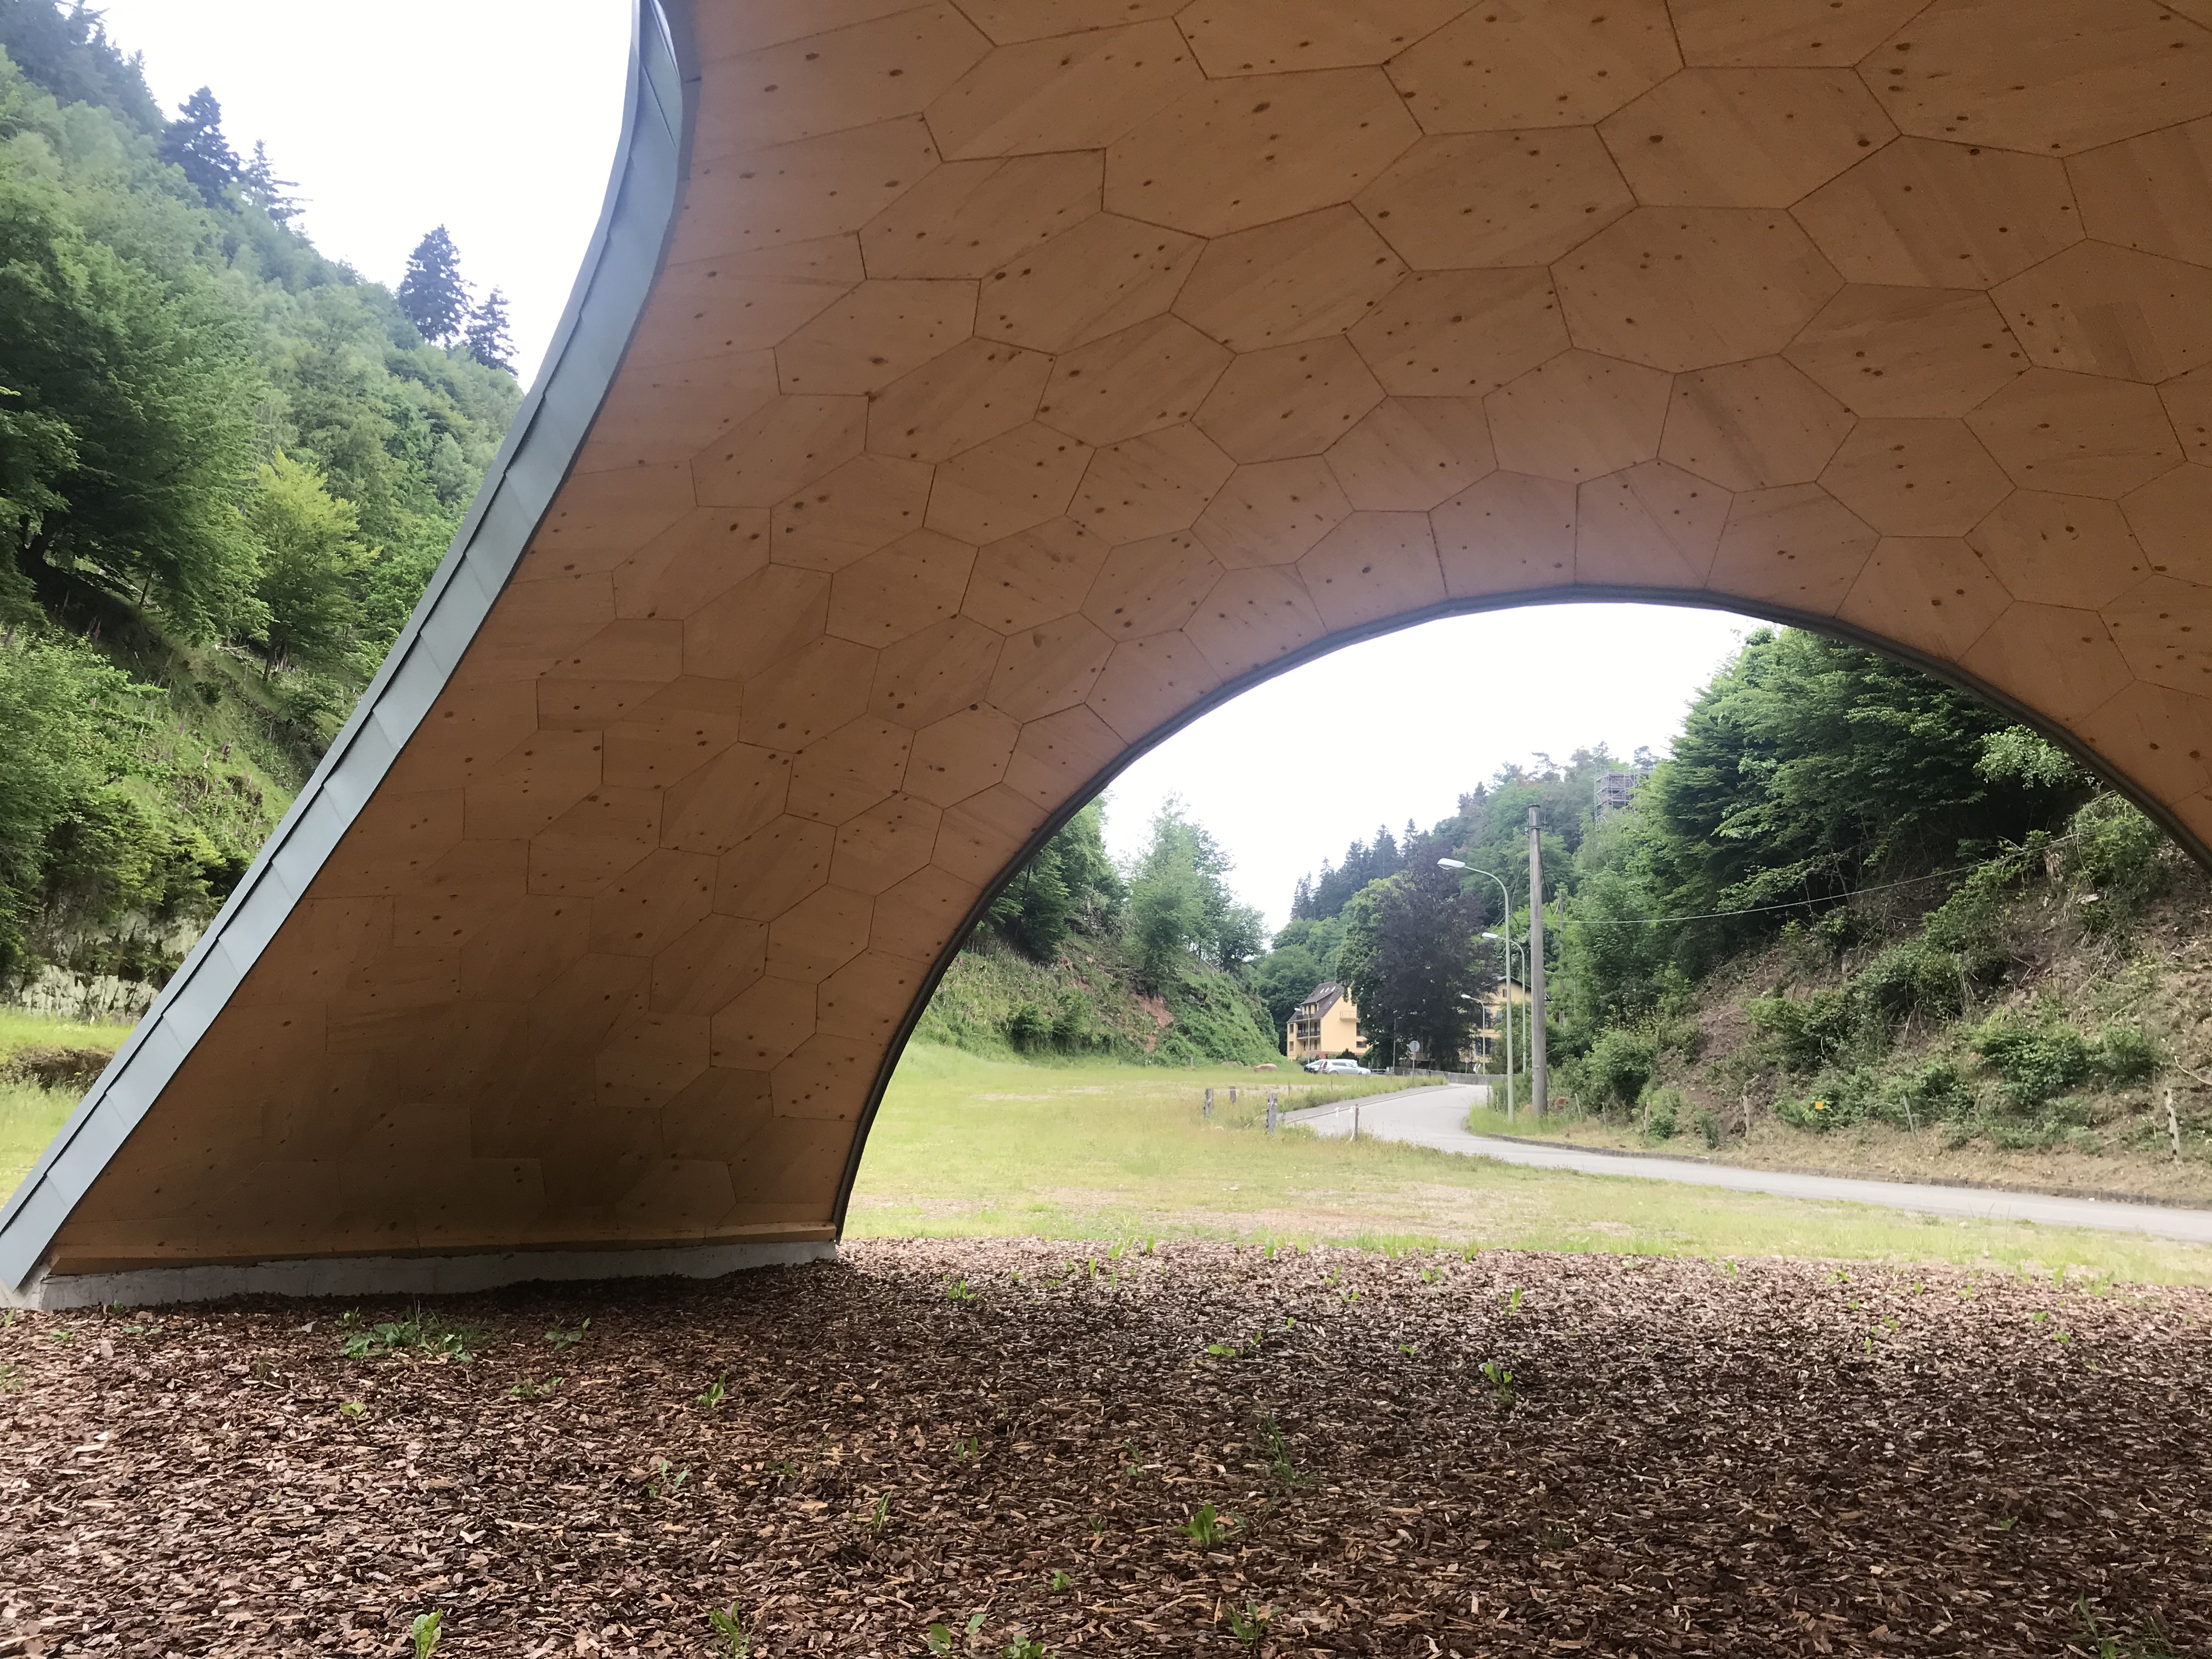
[(1019, 374)]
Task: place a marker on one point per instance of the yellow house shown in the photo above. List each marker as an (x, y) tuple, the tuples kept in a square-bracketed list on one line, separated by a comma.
[(1486, 1049), (1326, 1022)]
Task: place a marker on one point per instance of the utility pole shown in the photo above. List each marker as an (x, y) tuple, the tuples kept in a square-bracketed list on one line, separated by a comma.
[(1539, 1079)]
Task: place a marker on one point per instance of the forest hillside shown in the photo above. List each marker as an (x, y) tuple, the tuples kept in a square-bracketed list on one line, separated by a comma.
[(1854, 918), (1145, 963), (228, 468)]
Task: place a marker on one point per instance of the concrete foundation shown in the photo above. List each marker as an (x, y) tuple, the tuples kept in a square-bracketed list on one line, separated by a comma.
[(395, 1275)]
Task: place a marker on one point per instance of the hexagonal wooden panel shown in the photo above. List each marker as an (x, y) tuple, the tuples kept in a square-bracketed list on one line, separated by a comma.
[(1019, 374)]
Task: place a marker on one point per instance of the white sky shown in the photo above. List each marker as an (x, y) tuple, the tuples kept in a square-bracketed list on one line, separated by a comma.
[(1399, 727), (498, 119)]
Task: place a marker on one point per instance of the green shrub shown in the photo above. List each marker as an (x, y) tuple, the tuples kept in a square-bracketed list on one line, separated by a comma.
[(1935, 1092), (1970, 924), (1809, 1032), (2113, 857), (1913, 977), (2032, 1060), (1619, 1065), (1709, 1127), (1663, 1110), (1029, 1027), (2126, 1054), (1837, 1097)]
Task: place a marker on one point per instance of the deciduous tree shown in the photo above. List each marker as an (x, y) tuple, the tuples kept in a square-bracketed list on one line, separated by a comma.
[(1413, 959)]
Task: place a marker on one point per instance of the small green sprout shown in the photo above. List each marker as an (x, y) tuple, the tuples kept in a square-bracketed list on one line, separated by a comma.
[(958, 1290), (1500, 1380), (426, 1630), (1060, 1581), (561, 1339), (880, 1513), (352, 1408), (534, 1391), (713, 1395), (666, 1482), (940, 1637), (1250, 1627), (1209, 1529), (736, 1634)]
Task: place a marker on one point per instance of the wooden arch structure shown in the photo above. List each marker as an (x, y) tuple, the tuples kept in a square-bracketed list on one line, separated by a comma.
[(961, 392)]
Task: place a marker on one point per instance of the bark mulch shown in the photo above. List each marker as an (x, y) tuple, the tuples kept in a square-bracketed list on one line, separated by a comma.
[(1687, 1458)]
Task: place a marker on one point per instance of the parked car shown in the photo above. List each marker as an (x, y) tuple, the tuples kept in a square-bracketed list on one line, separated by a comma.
[(1344, 1067)]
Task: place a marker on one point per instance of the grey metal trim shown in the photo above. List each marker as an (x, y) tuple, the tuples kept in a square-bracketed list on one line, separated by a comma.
[(401, 1275), (625, 256)]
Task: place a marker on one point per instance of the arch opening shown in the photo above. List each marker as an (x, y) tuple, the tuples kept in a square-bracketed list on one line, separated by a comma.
[(1946, 673)]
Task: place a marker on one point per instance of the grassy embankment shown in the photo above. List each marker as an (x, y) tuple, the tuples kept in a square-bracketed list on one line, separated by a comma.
[(29, 1115), (969, 1147)]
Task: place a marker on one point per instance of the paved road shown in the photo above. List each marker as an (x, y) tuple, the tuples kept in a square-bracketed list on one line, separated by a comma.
[(1436, 1116)]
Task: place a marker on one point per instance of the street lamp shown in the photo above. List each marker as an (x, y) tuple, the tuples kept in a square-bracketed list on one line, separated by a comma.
[(1505, 900)]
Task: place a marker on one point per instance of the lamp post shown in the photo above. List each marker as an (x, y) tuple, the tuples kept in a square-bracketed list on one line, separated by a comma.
[(1511, 954), (1506, 900)]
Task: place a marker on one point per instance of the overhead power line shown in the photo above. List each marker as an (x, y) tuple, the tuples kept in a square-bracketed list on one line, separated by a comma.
[(1794, 904)]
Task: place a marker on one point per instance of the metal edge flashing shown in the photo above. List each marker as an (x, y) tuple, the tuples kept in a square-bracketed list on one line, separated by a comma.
[(1949, 673), (628, 245)]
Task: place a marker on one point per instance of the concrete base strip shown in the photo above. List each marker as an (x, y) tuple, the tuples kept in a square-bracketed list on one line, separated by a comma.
[(399, 1275)]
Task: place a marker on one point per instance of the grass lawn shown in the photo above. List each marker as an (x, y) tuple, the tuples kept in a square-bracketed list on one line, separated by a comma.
[(1880, 1150), (29, 1115), (966, 1147)]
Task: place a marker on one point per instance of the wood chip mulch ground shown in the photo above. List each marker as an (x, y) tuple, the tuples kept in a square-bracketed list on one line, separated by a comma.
[(1780, 1458)]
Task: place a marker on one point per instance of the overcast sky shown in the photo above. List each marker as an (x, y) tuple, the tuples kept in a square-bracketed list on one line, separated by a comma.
[(498, 119), (1398, 727)]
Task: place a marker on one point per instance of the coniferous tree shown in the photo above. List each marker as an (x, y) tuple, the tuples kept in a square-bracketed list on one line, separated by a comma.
[(431, 294), (195, 143), (67, 51), (487, 339), (262, 187)]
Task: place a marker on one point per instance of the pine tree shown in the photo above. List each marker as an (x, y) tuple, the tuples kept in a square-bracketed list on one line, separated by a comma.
[(195, 143), (487, 339), (432, 294), (265, 190)]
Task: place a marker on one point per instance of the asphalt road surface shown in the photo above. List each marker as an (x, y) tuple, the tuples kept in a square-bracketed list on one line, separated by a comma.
[(1436, 1116)]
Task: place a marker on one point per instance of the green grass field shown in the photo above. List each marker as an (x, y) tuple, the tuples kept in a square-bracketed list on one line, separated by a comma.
[(29, 1115), (966, 1147)]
